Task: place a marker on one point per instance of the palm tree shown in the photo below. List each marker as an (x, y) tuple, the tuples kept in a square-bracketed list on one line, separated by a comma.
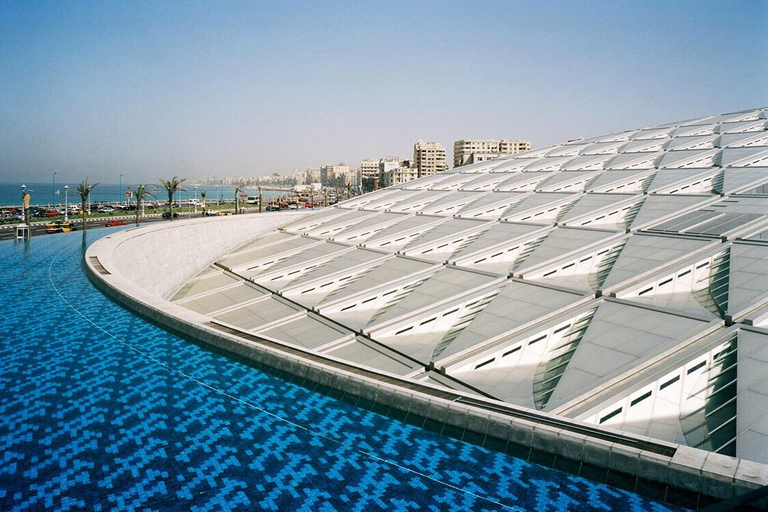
[(172, 186), (238, 189), (202, 199), (84, 190), (141, 192)]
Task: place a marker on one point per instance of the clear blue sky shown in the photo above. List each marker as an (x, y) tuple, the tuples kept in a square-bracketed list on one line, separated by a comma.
[(154, 89)]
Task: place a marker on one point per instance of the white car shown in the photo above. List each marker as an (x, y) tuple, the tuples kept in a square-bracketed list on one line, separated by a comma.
[(106, 209)]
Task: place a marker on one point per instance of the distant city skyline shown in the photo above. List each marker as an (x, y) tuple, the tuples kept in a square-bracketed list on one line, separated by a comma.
[(198, 89)]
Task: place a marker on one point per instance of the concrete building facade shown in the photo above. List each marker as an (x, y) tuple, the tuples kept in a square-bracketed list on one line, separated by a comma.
[(428, 158), (469, 151), (338, 175), (396, 173)]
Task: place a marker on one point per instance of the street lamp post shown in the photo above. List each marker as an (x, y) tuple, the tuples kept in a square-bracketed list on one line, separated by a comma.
[(53, 189), (66, 203), (195, 199), (219, 187), (120, 194)]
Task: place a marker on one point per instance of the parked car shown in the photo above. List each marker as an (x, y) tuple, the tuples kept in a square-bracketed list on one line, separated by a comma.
[(222, 213), (210, 213), (167, 215), (51, 213), (60, 226), (106, 209), (114, 222), (273, 208)]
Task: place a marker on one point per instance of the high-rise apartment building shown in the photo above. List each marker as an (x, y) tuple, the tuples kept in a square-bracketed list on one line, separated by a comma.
[(428, 158), (468, 151)]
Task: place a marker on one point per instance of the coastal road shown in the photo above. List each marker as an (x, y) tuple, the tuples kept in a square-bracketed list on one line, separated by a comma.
[(38, 228)]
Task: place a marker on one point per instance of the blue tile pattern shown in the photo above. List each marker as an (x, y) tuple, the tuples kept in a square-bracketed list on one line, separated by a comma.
[(100, 410)]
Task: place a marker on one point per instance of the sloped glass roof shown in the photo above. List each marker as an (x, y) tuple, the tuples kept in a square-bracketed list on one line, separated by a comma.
[(558, 279)]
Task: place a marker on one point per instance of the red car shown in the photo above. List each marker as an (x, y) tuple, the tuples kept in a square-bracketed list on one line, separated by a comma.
[(112, 223), (51, 213)]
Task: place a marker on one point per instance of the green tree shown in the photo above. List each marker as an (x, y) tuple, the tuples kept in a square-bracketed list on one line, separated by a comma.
[(202, 199), (84, 190), (142, 192), (172, 186)]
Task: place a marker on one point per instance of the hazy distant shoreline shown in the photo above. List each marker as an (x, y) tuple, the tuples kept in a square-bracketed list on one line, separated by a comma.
[(10, 193)]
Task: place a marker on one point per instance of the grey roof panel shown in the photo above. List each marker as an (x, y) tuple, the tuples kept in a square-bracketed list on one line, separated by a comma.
[(339, 264), (643, 253), (366, 227), (450, 228), (497, 233), (524, 181), (537, 203), (315, 219), (619, 181), (361, 201), (572, 181), (304, 257), (592, 204), (452, 203), (388, 271), (204, 284), (740, 180), (516, 305), (618, 338), (672, 181), (258, 314), (369, 355), (560, 242), (398, 234), (491, 204), (338, 224), (223, 298), (657, 207), (745, 157), (485, 182), (752, 397), (446, 282), (272, 251), (748, 281), (306, 331)]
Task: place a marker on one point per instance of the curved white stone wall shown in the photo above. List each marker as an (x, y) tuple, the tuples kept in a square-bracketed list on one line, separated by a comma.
[(161, 257)]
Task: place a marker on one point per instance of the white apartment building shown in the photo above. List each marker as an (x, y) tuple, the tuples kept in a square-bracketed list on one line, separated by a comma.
[(395, 173), (371, 171), (338, 175), (428, 158), (299, 176), (467, 151), (313, 175)]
